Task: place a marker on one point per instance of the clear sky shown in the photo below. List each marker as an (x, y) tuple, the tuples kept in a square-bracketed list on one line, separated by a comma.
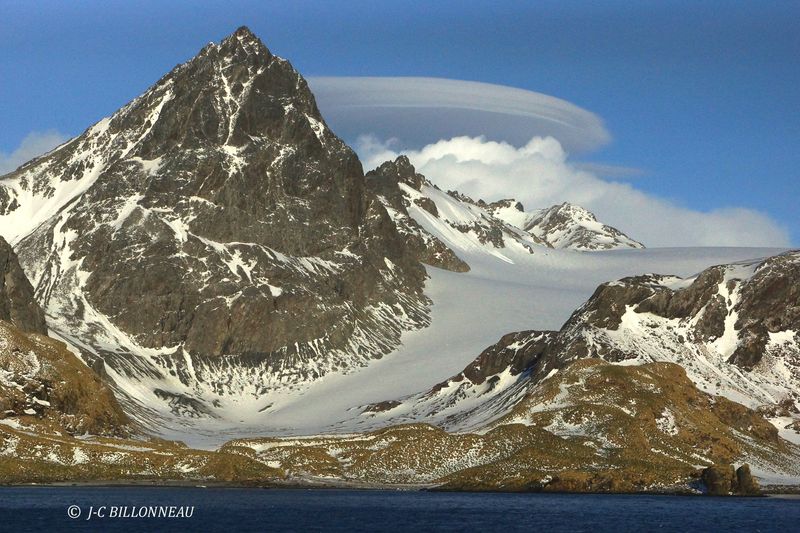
[(702, 97)]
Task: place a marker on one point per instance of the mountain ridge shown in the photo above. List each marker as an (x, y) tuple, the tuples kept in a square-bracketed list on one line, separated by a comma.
[(434, 220)]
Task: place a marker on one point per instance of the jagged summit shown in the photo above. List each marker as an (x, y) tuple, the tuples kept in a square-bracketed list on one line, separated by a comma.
[(399, 171), (243, 32), (230, 99), (242, 42)]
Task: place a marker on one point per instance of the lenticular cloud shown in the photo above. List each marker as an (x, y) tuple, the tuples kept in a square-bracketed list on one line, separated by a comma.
[(418, 111)]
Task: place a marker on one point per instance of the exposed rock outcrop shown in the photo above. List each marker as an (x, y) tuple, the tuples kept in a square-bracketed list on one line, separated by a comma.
[(701, 323), (725, 480), (17, 303)]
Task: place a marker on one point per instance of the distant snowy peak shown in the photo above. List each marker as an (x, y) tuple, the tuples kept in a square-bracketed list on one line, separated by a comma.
[(564, 226)]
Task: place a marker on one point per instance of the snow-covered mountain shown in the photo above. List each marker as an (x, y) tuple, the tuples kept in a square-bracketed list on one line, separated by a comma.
[(564, 226), (213, 239), (216, 255), (446, 218)]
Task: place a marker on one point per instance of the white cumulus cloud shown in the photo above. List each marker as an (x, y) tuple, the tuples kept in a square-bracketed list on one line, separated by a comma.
[(418, 111), (34, 144), (539, 174)]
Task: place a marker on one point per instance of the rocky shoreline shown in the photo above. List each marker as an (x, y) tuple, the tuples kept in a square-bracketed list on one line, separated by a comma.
[(766, 490)]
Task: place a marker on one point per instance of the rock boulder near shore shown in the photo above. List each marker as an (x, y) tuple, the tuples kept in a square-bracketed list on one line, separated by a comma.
[(724, 480)]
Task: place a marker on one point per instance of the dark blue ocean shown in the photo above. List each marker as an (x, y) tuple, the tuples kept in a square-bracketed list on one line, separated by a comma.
[(230, 510)]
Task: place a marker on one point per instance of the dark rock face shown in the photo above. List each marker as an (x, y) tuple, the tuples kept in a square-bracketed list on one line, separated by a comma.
[(17, 303), (521, 351), (400, 170), (747, 485), (506, 203), (768, 303), (764, 298), (720, 480), (218, 216)]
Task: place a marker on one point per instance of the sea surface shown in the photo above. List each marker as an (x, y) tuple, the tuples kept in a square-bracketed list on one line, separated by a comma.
[(230, 510)]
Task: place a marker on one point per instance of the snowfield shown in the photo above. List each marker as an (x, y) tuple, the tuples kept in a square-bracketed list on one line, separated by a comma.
[(470, 312)]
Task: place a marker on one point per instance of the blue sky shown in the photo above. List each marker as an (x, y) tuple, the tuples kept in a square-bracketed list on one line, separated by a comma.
[(703, 97)]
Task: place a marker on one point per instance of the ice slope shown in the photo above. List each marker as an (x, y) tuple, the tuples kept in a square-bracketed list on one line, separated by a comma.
[(470, 312)]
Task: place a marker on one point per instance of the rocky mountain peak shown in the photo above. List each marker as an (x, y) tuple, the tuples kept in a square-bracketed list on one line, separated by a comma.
[(399, 171), (575, 210), (243, 33), (507, 203), (215, 235), (17, 303), (567, 212), (240, 45), (231, 94)]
